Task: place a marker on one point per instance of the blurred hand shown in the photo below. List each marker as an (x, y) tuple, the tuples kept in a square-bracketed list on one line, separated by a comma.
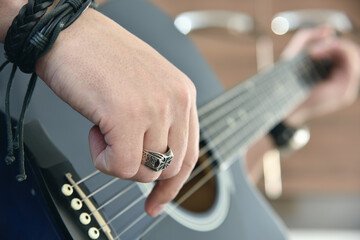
[(342, 86), (135, 98)]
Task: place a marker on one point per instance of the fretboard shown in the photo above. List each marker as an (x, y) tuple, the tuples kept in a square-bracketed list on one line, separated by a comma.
[(241, 115)]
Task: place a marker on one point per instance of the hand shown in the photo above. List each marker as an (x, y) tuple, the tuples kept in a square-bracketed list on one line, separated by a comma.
[(342, 86), (135, 98)]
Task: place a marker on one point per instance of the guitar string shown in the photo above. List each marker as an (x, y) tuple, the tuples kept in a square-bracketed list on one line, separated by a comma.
[(213, 103), (97, 171), (187, 194), (100, 189), (131, 225), (190, 192), (248, 87), (199, 169), (233, 92), (202, 152), (133, 203), (86, 178), (233, 112), (198, 184), (202, 181), (231, 159), (223, 136), (242, 111), (119, 194)]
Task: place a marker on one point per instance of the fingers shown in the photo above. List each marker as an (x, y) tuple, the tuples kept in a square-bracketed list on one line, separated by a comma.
[(305, 38), (342, 86), (117, 152), (166, 190), (177, 140), (156, 140), (343, 83)]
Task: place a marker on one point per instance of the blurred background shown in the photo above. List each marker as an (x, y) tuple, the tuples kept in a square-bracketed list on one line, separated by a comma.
[(320, 184)]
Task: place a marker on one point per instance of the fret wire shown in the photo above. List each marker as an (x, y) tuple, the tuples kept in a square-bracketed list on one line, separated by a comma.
[(259, 88), (252, 106), (241, 98), (230, 93), (244, 106), (292, 87), (205, 149), (246, 137), (240, 113), (228, 131), (262, 130), (212, 105), (285, 108)]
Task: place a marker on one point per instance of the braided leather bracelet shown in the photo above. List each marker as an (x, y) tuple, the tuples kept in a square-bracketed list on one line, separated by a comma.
[(31, 35)]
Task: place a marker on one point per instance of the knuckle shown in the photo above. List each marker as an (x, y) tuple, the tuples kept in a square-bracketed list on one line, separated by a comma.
[(184, 97), (192, 89), (171, 171), (176, 169), (189, 164), (119, 168), (124, 173), (147, 179), (163, 107), (99, 164)]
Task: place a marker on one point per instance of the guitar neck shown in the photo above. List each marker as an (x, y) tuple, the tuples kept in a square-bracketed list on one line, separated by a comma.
[(241, 115)]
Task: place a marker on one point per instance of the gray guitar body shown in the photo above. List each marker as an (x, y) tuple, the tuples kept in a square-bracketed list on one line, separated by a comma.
[(247, 216)]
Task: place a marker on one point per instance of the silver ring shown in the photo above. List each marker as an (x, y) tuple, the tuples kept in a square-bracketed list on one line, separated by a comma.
[(157, 161)]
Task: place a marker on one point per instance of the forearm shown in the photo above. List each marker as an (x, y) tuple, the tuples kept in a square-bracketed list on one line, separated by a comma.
[(8, 11)]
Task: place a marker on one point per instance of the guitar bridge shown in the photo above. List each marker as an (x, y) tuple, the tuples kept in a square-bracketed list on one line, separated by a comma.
[(85, 218)]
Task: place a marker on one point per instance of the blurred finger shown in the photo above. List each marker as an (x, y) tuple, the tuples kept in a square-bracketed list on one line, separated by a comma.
[(306, 37)]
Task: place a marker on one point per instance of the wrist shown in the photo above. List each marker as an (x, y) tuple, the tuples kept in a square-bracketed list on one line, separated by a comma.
[(8, 11), (68, 42)]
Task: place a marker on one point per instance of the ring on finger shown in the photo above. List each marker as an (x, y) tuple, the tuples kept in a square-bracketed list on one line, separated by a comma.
[(157, 161)]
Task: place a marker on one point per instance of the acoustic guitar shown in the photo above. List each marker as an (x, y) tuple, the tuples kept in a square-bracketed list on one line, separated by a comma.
[(75, 201)]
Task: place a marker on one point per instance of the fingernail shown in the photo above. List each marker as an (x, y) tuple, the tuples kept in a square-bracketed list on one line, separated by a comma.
[(157, 210)]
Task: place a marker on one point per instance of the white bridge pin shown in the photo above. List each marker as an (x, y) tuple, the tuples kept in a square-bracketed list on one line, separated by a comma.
[(67, 189), (76, 204), (85, 218), (94, 233)]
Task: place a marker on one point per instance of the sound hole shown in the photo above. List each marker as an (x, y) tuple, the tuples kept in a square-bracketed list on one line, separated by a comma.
[(203, 199)]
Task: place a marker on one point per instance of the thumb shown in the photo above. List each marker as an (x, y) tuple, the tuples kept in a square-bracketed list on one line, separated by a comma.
[(97, 148)]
